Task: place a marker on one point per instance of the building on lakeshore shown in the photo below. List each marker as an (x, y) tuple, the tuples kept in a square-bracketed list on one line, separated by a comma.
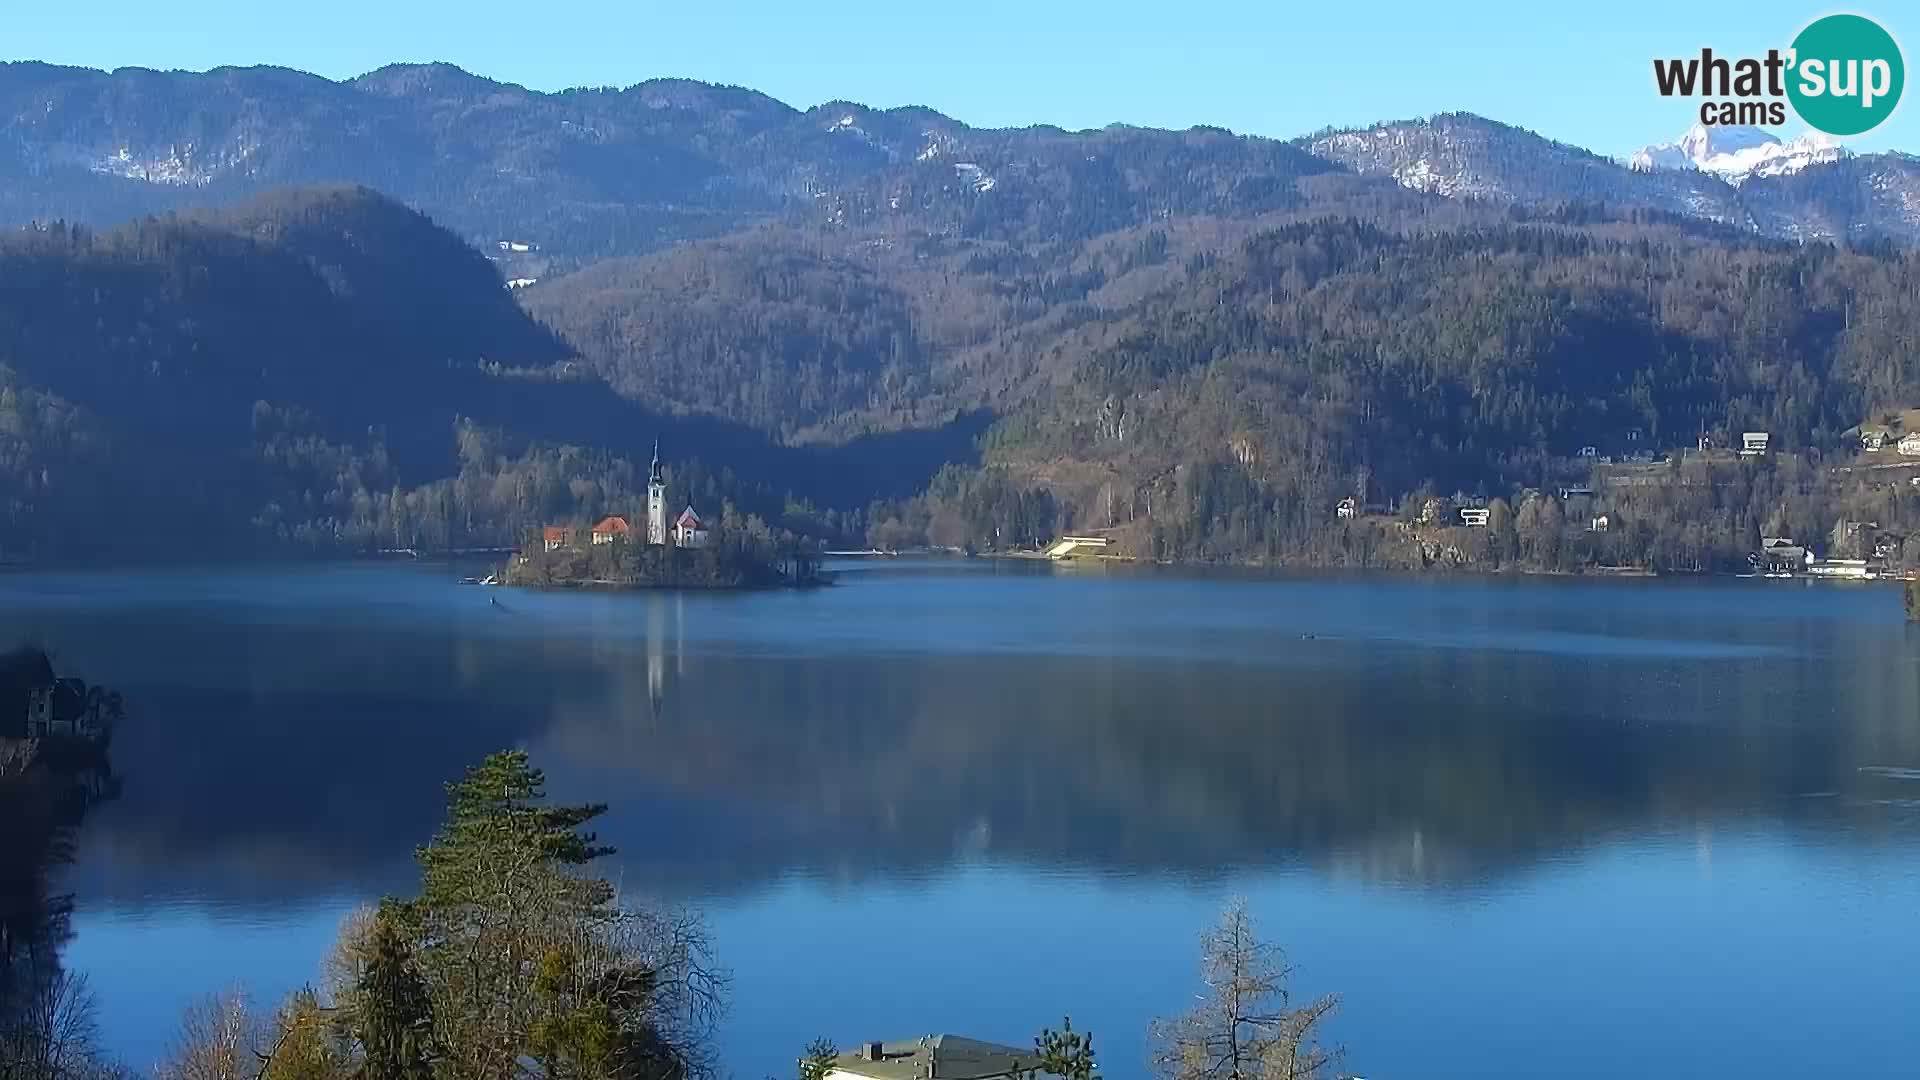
[(1852, 569), (934, 1057), (612, 527), (555, 537), (36, 704), (1909, 445), (1780, 555), (1754, 443), (25, 675)]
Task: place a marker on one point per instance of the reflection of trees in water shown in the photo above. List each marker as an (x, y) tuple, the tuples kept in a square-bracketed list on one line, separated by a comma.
[(46, 1012), (728, 764), (1463, 765)]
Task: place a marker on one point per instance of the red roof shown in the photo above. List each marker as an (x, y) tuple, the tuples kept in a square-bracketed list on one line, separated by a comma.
[(688, 519), (614, 526), (554, 532)]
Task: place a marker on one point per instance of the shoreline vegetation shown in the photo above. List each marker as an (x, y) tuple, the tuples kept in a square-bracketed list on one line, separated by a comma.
[(516, 957), (54, 769), (730, 559)]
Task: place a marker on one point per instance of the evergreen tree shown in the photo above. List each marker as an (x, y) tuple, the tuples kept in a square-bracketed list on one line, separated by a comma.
[(1065, 1053), (394, 1025), (495, 820)]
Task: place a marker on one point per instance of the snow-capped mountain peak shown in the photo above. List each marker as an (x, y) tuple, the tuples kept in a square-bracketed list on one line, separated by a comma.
[(1735, 153)]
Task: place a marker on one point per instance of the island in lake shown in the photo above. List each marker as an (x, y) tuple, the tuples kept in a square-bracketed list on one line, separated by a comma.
[(743, 552)]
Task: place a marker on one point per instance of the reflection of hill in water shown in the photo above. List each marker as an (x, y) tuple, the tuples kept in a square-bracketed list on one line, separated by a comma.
[(289, 760), (1456, 766)]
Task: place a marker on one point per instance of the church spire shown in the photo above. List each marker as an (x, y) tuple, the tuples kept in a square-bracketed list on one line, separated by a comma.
[(656, 500)]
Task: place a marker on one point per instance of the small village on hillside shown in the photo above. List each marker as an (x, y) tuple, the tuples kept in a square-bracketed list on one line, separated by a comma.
[(1596, 505)]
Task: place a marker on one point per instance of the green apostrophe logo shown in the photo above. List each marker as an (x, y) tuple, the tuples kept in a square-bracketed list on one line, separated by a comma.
[(1843, 75), (1847, 74)]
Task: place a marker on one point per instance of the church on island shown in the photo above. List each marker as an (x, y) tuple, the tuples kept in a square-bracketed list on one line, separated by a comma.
[(684, 531), (664, 549)]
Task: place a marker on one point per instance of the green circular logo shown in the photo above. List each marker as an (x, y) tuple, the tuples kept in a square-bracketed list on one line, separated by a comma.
[(1847, 74)]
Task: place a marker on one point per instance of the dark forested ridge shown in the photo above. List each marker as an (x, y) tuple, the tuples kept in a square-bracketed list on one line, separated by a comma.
[(329, 370), (763, 328)]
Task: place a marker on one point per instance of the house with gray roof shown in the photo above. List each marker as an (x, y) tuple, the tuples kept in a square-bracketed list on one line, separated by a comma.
[(932, 1057)]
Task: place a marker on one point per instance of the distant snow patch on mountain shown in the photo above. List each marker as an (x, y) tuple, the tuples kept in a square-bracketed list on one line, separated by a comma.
[(1736, 153), (974, 175), (1406, 156), (936, 145), (181, 166)]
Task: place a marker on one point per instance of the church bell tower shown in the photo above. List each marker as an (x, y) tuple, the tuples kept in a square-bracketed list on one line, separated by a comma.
[(656, 501)]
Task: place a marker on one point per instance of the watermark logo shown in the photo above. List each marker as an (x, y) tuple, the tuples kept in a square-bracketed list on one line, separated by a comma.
[(1843, 75)]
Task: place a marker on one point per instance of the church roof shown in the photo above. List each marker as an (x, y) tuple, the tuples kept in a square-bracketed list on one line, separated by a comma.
[(688, 519)]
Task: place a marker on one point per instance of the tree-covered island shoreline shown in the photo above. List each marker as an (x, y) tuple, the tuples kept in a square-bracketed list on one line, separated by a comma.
[(729, 560)]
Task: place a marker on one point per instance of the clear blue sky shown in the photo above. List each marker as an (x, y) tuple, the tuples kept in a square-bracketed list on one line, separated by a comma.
[(1275, 68)]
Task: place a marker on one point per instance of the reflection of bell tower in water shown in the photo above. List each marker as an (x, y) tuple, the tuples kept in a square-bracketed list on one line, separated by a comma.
[(656, 501), (657, 635), (656, 651)]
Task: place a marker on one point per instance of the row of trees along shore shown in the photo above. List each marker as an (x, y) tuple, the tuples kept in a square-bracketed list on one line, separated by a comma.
[(516, 960)]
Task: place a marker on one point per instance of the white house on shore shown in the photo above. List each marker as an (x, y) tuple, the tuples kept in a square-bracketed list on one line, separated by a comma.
[(933, 1057)]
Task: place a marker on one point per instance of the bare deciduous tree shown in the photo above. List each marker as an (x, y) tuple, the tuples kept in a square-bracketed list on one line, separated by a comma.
[(1246, 1026), (52, 1034), (689, 993), (218, 1040), (346, 961)]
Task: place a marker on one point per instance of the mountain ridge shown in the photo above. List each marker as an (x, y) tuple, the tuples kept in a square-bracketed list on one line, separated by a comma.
[(591, 172), (1737, 153)]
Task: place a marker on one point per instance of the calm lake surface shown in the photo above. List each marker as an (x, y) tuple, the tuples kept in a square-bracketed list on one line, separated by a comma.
[(1525, 827)]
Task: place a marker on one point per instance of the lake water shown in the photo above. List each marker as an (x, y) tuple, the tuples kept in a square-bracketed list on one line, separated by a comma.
[(1524, 827)]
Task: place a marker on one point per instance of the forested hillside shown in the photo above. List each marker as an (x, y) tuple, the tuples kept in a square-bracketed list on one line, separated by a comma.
[(763, 328), (328, 370), (1225, 417), (322, 370)]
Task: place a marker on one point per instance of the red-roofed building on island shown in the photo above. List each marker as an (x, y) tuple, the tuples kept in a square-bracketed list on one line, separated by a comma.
[(555, 537), (612, 527)]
